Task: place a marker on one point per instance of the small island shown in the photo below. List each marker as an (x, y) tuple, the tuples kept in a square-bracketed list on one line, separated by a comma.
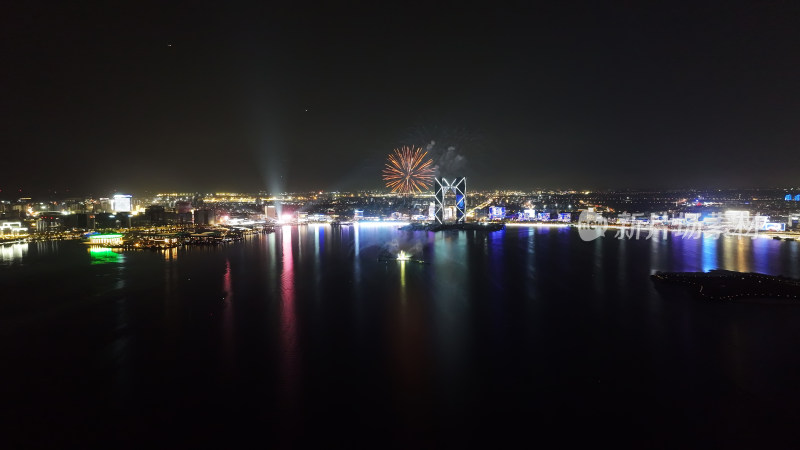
[(729, 285)]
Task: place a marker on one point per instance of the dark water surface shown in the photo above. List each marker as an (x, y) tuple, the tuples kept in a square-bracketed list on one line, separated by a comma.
[(302, 336)]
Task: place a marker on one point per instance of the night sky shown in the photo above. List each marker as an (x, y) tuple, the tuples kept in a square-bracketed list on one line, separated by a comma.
[(219, 97)]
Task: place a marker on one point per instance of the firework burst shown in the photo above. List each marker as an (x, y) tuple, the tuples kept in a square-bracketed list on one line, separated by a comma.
[(407, 171)]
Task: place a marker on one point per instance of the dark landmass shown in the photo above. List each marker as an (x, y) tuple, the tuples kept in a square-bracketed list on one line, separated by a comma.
[(728, 285)]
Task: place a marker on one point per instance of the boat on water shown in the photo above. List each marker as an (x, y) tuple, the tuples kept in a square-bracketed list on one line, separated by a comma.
[(401, 256)]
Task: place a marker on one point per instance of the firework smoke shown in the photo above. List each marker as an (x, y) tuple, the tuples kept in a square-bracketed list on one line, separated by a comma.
[(449, 162)]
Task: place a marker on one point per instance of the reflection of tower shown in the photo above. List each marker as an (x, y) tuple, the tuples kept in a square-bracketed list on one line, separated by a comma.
[(446, 211)]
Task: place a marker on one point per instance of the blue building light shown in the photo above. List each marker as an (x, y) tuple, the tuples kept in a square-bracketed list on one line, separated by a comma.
[(497, 212)]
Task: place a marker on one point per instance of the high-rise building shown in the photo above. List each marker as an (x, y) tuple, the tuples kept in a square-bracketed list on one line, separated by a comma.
[(104, 205), (204, 217), (49, 221), (123, 203), (155, 214), (271, 212), (183, 207)]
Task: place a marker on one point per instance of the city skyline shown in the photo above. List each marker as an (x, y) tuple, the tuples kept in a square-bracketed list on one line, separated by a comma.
[(211, 97), (407, 225)]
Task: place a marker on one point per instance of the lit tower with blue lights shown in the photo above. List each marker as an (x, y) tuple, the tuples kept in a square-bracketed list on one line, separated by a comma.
[(457, 187)]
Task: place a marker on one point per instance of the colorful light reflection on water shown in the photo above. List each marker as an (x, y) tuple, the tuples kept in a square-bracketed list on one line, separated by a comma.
[(103, 255)]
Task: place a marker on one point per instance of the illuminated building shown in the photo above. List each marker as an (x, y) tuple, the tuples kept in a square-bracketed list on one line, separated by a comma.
[(529, 214), (105, 239), (122, 203), (457, 187), (773, 226), (497, 212), (12, 229), (22, 207)]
